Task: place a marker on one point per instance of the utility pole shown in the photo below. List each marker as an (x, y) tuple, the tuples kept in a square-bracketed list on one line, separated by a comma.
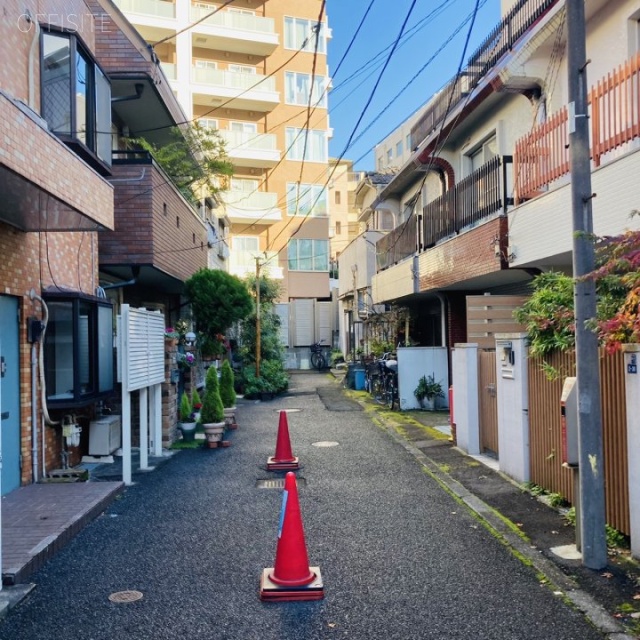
[(591, 457), (258, 265)]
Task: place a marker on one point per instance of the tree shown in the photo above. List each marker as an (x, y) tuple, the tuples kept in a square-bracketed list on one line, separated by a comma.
[(195, 156), (217, 299), (212, 410)]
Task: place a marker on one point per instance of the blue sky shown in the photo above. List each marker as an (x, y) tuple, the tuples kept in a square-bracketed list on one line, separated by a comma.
[(435, 21)]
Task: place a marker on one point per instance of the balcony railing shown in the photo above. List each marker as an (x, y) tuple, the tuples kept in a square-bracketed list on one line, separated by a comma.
[(398, 244), (471, 201), (258, 200), (520, 18), (157, 8), (241, 141), (542, 155), (169, 69), (233, 80), (233, 20)]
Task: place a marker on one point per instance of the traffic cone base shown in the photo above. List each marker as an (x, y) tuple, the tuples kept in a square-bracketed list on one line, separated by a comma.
[(273, 464), (272, 592)]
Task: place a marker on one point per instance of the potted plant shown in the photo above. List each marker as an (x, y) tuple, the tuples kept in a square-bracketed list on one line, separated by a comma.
[(212, 412), (427, 391), (187, 424), (228, 394), (196, 401)]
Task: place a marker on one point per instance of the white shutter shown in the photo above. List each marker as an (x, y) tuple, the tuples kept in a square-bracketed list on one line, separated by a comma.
[(303, 321), (324, 325)]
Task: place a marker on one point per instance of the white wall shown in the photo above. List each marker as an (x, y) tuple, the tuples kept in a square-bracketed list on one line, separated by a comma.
[(466, 414), (394, 282), (415, 362)]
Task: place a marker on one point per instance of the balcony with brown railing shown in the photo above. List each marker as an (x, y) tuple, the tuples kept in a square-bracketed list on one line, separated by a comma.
[(542, 156), (522, 16), (473, 200), (398, 244)]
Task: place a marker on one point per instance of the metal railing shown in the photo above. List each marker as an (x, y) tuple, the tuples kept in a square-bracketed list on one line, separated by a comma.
[(233, 80), (158, 8), (522, 16), (471, 201), (233, 20), (397, 244)]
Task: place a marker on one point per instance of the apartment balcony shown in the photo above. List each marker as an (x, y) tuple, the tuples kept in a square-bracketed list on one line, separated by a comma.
[(398, 244), (157, 231), (258, 207), (245, 267), (251, 149), (154, 19), (235, 32), (170, 70), (45, 186), (249, 91)]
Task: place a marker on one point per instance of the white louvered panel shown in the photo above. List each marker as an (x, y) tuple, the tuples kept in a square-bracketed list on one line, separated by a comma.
[(303, 321), (324, 324), (144, 357)]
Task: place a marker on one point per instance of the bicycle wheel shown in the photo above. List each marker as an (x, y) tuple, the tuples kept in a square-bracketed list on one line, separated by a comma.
[(376, 387), (317, 360), (391, 394)]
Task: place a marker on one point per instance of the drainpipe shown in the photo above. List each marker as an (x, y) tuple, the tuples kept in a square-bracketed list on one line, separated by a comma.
[(34, 412), (32, 50)]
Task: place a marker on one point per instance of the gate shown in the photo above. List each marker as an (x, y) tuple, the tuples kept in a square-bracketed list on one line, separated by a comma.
[(488, 401)]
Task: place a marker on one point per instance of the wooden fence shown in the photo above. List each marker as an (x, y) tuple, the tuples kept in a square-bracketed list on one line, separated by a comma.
[(545, 437), (542, 155)]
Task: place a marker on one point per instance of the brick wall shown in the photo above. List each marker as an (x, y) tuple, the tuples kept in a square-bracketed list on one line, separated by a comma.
[(36, 261), (467, 256)]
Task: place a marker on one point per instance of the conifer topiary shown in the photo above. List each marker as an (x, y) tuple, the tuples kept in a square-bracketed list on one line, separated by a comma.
[(227, 392), (212, 409)]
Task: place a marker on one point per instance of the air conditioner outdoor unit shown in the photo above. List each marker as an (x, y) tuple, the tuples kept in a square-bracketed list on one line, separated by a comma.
[(105, 435)]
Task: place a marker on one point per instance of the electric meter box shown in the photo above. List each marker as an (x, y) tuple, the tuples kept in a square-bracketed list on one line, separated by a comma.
[(569, 422)]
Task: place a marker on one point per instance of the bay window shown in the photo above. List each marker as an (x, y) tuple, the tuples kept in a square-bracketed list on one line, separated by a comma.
[(76, 98), (78, 349)]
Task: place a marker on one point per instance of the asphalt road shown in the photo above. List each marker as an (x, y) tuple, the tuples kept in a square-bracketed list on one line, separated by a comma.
[(399, 557)]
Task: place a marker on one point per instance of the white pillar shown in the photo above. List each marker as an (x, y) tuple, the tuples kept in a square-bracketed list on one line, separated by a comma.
[(155, 419), (144, 429), (465, 397), (513, 405), (632, 384)]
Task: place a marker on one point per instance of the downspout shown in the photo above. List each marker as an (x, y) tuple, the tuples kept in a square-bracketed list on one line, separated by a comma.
[(34, 413), (30, 70)]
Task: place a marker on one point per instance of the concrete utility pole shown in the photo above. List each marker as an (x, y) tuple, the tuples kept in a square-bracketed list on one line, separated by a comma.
[(592, 507), (258, 265)]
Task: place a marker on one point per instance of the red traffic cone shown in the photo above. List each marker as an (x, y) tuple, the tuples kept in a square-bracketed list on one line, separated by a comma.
[(291, 578), (284, 458)]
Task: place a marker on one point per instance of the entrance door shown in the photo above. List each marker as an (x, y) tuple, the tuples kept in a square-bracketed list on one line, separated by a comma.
[(9, 394)]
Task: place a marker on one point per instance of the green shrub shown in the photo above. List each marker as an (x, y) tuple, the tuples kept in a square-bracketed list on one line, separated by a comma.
[(212, 410), (227, 393), (273, 378), (185, 409)]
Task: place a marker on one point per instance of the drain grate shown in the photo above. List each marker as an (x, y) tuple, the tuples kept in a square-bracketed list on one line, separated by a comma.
[(122, 597), (325, 443), (277, 483)]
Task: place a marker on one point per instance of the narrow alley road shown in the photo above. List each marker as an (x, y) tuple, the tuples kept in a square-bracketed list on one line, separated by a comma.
[(400, 558)]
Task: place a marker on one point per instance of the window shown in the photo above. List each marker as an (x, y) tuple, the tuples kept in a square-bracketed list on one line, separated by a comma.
[(298, 85), (76, 97), (311, 199), (205, 64), (483, 153), (407, 142), (209, 123), (338, 227), (399, 149), (246, 185), (337, 197), (380, 163), (316, 150), (243, 127), (299, 34), (389, 157), (78, 349), (308, 255), (241, 68)]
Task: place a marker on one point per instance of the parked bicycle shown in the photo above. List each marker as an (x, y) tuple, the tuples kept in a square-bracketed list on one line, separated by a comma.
[(381, 380), (318, 361)]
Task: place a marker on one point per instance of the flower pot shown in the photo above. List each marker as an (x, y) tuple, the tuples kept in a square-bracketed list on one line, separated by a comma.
[(213, 432), (188, 430), (230, 417)]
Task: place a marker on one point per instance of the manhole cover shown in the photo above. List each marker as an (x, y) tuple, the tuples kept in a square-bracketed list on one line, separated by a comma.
[(121, 597), (288, 410), (325, 443), (277, 483)]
